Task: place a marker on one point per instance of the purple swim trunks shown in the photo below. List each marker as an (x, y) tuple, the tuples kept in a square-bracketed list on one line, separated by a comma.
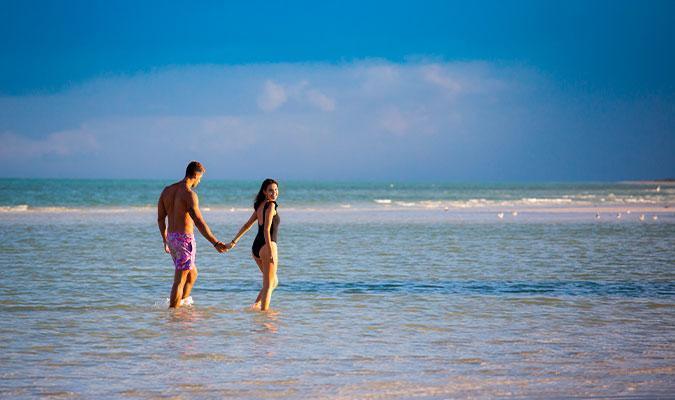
[(183, 250)]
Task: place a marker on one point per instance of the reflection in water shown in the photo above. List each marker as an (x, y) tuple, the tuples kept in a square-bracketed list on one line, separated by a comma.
[(185, 316), (266, 322)]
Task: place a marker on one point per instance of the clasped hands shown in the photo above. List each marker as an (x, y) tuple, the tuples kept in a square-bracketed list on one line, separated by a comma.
[(223, 247)]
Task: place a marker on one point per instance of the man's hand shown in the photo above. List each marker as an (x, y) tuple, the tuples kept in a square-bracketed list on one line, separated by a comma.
[(166, 248), (221, 247)]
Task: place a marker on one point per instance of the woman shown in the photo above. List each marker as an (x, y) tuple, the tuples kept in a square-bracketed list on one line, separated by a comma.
[(265, 244)]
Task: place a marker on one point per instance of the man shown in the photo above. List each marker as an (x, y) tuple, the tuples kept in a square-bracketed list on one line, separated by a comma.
[(181, 205)]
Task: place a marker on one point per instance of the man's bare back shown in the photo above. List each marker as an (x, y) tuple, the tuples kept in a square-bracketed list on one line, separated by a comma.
[(176, 200)]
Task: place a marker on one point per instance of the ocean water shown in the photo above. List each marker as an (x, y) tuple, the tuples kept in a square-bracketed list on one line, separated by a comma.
[(63, 195), (387, 290)]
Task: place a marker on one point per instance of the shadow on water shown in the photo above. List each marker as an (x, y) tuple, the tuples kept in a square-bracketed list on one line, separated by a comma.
[(493, 288)]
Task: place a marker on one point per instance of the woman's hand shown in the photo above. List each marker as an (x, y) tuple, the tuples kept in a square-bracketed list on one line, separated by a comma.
[(273, 254)]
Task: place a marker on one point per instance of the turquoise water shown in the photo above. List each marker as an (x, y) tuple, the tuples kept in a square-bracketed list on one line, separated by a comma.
[(376, 300), (39, 194)]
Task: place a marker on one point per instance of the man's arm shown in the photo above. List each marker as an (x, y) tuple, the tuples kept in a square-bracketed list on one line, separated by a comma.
[(196, 214), (161, 221)]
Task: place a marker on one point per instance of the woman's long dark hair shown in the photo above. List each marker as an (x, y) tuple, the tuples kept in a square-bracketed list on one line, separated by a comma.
[(260, 198)]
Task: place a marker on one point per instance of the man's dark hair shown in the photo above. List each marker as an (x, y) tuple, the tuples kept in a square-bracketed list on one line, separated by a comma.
[(193, 169)]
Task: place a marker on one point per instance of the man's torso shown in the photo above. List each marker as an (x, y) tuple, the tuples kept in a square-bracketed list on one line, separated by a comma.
[(175, 199)]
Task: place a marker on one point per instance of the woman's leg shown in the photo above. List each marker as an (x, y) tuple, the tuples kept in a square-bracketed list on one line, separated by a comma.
[(256, 303), (269, 269)]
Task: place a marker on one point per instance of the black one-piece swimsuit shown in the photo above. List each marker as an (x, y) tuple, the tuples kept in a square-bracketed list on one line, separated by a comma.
[(259, 240)]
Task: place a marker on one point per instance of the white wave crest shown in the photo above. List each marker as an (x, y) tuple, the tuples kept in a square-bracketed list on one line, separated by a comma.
[(19, 208), (534, 200)]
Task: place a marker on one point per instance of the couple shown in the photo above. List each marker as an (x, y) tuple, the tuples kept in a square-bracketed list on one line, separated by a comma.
[(180, 204)]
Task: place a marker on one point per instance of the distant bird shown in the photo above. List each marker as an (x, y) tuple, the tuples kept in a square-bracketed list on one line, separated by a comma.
[(628, 212), (618, 215), (642, 217), (515, 213), (658, 189), (656, 217), (501, 215), (597, 215), (232, 209), (445, 209)]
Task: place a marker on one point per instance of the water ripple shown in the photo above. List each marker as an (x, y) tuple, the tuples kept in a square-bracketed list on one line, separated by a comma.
[(491, 288)]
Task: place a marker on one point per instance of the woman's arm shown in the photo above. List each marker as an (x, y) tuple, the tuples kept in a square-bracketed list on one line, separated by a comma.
[(245, 228), (268, 225)]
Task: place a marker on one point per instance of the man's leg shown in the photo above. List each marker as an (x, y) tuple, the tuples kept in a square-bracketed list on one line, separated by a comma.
[(179, 279), (189, 282)]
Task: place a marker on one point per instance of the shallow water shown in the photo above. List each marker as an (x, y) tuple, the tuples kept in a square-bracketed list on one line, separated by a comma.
[(392, 304)]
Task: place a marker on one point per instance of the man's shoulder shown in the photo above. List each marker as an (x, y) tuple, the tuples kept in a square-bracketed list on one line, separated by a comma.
[(191, 194), (185, 193), (176, 189), (168, 189), (179, 187)]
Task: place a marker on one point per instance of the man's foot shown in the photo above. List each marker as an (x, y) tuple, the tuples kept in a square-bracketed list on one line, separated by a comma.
[(255, 306)]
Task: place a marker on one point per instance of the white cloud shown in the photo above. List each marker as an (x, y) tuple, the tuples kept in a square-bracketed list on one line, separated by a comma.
[(272, 97), (434, 73), (63, 144), (303, 118), (378, 78), (320, 100), (407, 122), (393, 121)]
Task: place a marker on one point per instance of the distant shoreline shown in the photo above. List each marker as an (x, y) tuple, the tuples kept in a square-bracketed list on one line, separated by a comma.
[(352, 209), (665, 181)]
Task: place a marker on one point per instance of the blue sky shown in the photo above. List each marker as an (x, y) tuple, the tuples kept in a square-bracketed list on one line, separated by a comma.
[(483, 91)]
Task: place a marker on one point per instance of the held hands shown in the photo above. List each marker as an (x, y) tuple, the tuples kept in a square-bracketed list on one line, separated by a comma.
[(223, 247), (166, 248)]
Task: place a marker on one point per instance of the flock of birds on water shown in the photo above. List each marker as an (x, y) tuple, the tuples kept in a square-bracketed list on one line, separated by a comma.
[(619, 215), (642, 217)]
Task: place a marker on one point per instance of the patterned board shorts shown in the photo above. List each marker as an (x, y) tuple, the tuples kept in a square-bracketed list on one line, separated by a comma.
[(183, 250)]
